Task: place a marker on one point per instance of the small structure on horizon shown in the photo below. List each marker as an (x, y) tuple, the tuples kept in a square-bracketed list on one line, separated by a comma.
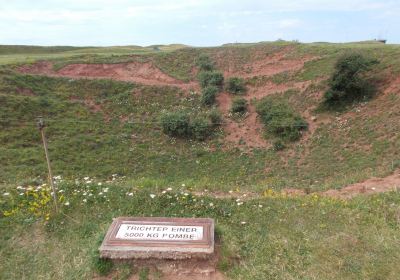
[(381, 40)]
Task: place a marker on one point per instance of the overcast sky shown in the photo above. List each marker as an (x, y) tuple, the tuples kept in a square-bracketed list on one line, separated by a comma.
[(195, 22)]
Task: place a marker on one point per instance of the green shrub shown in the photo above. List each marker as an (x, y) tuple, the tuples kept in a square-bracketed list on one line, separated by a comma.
[(239, 106), (235, 85), (204, 63), (200, 128), (211, 78), (348, 82), (179, 124), (215, 117), (208, 95), (176, 124), (280, 119)]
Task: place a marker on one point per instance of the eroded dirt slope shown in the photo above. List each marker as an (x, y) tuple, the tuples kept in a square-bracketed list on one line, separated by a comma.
[(144, 73)]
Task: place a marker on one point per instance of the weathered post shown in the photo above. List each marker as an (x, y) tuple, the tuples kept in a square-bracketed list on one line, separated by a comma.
[(41, 125)]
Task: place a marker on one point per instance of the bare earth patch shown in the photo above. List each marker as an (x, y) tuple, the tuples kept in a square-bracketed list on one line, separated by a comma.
[(370, 186), (249, 132), (194, 269), (367, 187), (270, 65), (394, 86), (143, 73)]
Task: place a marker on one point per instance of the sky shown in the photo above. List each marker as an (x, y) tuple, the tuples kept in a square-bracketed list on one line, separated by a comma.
[(195, 22)]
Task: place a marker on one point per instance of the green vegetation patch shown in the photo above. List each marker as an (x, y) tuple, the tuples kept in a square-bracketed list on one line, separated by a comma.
[(208, 95), (211, 78), (235, 85), (348, 83), (239, 106), (181, 124), (280, 119)]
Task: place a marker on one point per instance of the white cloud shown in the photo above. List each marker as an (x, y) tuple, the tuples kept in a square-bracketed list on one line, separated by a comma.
[(157, 21), (289, 23), (50, 16)]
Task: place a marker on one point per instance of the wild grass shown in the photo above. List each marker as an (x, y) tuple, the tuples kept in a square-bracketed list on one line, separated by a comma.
[(101, 127), (275, 237)]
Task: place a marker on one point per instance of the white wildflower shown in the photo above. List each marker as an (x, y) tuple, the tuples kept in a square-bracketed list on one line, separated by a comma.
[(152, 195), (6, 194), (84, 200), (211, 204), (66, 203), (130, 194), (169, 189)]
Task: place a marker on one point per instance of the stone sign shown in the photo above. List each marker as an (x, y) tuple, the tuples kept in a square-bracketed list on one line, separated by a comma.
[(166, 238)]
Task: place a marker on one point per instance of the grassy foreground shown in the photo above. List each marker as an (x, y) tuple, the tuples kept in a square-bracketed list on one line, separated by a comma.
[(274, 237)]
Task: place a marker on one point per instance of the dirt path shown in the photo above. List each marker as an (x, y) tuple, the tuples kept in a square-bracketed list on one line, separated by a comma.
[(370, 186), (143, 73)]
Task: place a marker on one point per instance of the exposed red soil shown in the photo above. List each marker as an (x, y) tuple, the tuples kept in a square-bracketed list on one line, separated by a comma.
[(246, 133), (370, 186), (313, 123), (367, 187), (394, 86), (270, 65), (144, 73), (194, 269), (249, 132)]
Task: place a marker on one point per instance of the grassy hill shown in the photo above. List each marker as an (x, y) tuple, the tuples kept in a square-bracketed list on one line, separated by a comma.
[(102, 127), (103, 109)]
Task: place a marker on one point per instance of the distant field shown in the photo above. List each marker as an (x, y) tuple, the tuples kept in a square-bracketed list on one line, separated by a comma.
[(27, 54)]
